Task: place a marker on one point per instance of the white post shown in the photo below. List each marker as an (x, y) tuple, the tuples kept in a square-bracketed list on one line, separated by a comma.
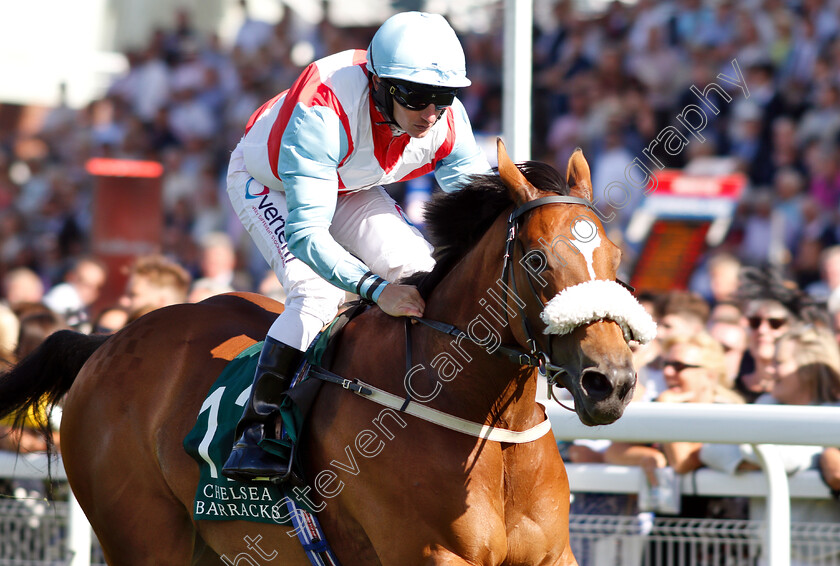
[(777, 513), (516, 77), (79, 538)]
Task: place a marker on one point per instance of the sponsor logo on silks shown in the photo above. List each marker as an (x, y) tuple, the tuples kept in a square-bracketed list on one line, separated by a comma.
[(248, 194), (403, 214)]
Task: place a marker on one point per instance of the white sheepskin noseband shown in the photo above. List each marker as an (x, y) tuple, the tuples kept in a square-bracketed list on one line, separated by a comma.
[(598, 300)]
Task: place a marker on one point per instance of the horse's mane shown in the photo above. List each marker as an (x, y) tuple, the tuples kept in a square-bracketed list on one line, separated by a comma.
[(456, 221)]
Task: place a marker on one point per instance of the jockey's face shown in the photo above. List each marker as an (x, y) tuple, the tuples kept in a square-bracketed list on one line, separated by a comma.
[(410, 110), (416, 123)]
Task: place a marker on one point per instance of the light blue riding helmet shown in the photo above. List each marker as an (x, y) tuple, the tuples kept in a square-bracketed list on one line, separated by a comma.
[(420, 48)]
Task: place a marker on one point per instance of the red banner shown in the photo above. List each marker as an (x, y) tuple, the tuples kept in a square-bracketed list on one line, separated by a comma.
[(127, 217)]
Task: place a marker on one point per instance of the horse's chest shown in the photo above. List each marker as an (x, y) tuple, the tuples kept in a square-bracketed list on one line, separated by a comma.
[(535, 542), (536, 509)]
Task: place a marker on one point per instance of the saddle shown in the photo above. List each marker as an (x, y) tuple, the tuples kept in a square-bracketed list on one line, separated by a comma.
[(210, 440)]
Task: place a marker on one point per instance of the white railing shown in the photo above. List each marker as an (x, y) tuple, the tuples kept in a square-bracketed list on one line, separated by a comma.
[(34, 466), (761, 425), (606, 478)]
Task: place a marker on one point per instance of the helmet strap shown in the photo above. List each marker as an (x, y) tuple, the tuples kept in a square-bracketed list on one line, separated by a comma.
[(383, 102)]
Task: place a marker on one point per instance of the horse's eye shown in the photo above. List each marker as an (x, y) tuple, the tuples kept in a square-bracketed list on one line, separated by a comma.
[(534, 261)]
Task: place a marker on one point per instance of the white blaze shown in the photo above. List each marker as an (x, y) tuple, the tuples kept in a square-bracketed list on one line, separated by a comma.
[(586, 239)]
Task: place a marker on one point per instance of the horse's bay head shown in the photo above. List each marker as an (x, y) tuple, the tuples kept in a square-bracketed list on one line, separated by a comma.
[(564, 271)]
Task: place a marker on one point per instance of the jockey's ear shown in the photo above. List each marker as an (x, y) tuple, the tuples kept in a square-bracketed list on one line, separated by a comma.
[(578, 176), (521, 191)]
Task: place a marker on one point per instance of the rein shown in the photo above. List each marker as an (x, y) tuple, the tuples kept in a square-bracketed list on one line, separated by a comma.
[(513, 355)]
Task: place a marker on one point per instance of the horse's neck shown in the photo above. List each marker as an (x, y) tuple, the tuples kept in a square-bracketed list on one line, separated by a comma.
[(487, 386)]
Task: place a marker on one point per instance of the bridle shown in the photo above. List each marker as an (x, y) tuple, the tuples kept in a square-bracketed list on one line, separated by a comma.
[(546, 368), (534, 357)]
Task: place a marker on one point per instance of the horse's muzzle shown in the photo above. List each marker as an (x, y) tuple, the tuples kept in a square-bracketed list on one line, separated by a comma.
[(602, 393)]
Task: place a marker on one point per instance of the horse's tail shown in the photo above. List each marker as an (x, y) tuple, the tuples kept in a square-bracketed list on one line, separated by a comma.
[(32, 388)]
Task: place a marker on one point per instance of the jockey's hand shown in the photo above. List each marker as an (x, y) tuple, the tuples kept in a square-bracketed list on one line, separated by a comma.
[(401, 300)]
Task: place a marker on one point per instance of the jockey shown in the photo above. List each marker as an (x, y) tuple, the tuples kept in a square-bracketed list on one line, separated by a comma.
[(305, 181)]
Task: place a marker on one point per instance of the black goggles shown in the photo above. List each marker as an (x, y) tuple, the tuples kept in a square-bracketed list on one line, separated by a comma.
[(418, 97)]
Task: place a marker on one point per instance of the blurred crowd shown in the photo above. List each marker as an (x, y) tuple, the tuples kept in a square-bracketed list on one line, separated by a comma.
[(759, 340), (606, 82)]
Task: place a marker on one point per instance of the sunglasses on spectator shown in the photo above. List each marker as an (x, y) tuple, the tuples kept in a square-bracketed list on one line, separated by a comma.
[(416, 97), (775, 323), (677, 366)]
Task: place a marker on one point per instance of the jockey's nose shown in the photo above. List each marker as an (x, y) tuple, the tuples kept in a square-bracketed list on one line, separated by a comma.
[(429, 113)]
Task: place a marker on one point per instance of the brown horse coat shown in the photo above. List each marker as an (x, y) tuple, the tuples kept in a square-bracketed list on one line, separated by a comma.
[(395, 490)]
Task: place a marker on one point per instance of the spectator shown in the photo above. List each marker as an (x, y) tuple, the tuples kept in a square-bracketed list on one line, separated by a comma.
[(218, 264), (676, 313), (22, 285), (787, 218), (253, 34), (772, 305), (825, 176), (681, 312), (807, 364), (646, 357), (36, 324), (80, 289), (727, 326), (205, 288), (723, 269), (829, 274), (110, 320), (583, 71), (694, 370), (762, 243), (154, 282)]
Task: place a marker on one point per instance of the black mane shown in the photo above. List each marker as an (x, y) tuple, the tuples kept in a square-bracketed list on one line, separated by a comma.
[(456, 221)]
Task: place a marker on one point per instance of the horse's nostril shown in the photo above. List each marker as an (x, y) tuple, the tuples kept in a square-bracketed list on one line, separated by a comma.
[(596, 385), (626, 389)]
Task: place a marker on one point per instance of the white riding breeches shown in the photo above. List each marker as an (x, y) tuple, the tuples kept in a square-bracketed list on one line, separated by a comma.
[(369, 224)]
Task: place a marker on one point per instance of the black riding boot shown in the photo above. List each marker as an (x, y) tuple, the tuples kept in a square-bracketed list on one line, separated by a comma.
[(275, 371)]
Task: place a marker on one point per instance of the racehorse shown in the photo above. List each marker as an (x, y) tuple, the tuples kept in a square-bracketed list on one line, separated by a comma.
[(432, 495)]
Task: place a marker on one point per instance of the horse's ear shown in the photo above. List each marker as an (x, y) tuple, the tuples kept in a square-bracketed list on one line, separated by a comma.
[(521, 191), (578, 176)]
